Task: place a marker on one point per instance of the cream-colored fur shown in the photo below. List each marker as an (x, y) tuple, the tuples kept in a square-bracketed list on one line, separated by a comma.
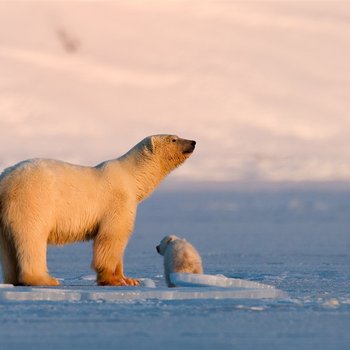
[(52, 202), (179, 256)]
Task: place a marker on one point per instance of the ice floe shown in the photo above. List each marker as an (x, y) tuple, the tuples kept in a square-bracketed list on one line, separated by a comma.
[(201, 280), (193, 287), (115, 294)]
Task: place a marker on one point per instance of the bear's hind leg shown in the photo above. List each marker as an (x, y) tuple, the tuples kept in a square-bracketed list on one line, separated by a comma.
[(32, 264), (8, 260), (38, 280)]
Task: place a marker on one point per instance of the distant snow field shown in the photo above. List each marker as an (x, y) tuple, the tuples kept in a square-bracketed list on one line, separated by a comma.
[(262, 86)]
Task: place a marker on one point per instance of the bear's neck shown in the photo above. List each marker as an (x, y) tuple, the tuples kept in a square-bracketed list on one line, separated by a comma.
[(146, 171)]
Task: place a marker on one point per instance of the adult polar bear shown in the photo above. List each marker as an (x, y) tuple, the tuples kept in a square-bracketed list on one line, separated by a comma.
[(52, 202)]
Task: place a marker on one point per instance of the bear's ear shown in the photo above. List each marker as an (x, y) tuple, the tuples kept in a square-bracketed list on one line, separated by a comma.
[(149, 145), (152, 145)]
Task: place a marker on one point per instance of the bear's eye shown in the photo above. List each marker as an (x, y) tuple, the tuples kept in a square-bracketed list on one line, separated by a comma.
[(173, 140)]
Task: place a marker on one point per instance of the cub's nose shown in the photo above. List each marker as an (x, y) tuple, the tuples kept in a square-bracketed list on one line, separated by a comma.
[(157, 247)]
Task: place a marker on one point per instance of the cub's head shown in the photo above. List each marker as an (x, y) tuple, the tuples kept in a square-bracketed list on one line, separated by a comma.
[(161, 248)]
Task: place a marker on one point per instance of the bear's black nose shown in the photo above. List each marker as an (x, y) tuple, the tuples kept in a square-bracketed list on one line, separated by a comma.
[(189, 146), (157, 247)]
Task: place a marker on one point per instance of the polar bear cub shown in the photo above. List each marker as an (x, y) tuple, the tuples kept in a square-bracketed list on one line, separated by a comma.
[(179, 256)]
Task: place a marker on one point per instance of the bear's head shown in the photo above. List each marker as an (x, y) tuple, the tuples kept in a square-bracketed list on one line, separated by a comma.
[(154, 158), (169, 150)]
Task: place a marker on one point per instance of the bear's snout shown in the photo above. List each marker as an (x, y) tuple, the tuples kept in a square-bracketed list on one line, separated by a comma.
[(189, 146), (158, 249)]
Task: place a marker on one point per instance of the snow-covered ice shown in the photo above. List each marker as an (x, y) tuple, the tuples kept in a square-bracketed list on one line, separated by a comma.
[(302, 252)]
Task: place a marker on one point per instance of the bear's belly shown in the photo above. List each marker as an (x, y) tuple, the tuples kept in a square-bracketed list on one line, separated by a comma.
[(70, 234)]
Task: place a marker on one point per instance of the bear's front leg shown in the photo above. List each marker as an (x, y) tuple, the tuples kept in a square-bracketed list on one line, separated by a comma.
[(109, 246), (105, 278), (128, 281)]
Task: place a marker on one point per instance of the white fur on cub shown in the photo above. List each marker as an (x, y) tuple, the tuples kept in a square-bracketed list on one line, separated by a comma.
[(179, 256), (52, 202)]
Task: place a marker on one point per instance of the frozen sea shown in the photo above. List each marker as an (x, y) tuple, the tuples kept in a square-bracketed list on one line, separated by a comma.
[(295, 238)]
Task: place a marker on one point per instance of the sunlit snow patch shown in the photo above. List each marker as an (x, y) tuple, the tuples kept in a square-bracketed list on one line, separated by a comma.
[(88, 278), (147, 282)]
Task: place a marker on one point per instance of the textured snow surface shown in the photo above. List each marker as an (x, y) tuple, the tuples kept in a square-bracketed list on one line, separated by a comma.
[(295, 240)]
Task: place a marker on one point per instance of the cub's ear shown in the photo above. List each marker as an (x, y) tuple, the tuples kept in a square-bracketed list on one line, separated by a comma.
[(170, 239)]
